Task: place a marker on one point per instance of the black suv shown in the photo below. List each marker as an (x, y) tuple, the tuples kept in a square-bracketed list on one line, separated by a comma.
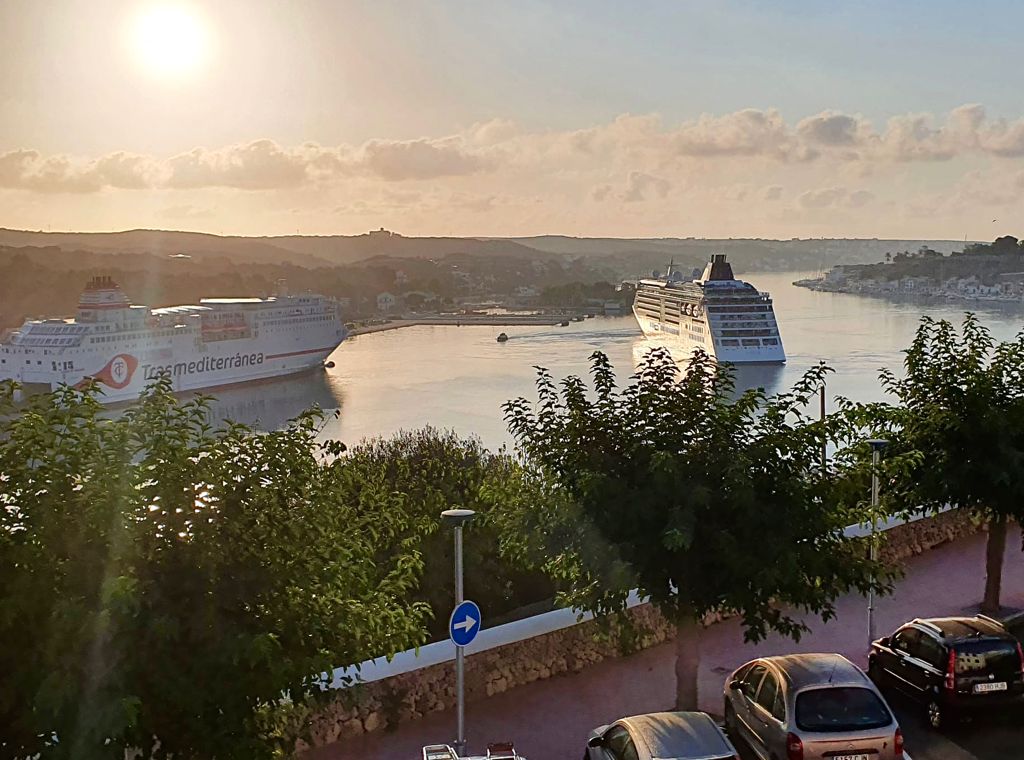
[(951, 665)]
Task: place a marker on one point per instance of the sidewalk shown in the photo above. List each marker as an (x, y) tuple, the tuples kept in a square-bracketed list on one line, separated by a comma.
[(550, 720)]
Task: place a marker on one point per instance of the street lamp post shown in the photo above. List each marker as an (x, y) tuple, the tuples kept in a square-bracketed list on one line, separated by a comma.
[(876, 444), (456, 518)]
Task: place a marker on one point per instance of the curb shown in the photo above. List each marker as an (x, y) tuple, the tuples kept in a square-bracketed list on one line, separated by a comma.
[(1013, 618)]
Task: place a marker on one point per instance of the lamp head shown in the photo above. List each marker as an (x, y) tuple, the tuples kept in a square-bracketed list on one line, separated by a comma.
[(877, 444), (456, 518)]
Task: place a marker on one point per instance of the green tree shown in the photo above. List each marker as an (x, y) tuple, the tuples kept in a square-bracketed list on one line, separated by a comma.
[(958, 431), (703, 501), (422, 472), (171, 588)]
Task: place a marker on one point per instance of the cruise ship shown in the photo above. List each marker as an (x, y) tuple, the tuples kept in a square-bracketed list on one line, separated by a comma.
[(125, 347), (729, 319)]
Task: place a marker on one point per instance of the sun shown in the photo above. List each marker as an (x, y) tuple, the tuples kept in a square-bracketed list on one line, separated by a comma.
[(170, 40)]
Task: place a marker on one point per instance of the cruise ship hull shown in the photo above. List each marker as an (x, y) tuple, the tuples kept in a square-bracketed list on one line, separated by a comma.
[(653, 328)]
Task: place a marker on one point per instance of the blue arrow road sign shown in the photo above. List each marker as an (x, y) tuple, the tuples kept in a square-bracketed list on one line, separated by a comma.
[(464, 624)]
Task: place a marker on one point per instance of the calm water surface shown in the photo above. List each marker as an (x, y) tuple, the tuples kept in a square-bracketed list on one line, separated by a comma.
[(458, 377)]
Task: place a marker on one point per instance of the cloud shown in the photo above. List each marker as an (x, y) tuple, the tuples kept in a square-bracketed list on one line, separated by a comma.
[(744, 133), (822, 198), (752, 146), (419, 159), (185, 211), (641, 186), (259, 165), (832, 129), (29, 170), (835, 197), (859, 198)]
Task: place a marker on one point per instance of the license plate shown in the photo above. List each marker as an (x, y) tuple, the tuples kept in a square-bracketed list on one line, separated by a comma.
[(849, 757), (983, 687)]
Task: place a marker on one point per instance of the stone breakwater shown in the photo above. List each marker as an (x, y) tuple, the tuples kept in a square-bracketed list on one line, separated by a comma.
[(376, 705)]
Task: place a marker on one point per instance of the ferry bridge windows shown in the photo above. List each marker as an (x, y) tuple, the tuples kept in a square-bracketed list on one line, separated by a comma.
[(730, 342), (770, 342), (751, 342)]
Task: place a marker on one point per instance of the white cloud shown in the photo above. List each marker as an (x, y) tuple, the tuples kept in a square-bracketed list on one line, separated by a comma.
[(641, 186)]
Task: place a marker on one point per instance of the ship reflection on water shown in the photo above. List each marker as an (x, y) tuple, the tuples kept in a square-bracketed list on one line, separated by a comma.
[(269, 404), (746, 376)]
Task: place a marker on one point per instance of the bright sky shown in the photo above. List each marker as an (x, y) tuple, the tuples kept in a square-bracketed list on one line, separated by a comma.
[(717, 118)]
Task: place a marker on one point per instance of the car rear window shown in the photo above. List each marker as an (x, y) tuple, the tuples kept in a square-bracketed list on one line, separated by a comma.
[(840, 708), (984, 657)]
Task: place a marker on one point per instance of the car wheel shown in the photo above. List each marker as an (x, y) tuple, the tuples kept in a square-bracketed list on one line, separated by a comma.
[(875, 671), (730, 719), (936, 715)]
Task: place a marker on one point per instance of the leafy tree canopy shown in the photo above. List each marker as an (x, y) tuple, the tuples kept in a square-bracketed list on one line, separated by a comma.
[(956, 431), (166, 587), (701, 500)]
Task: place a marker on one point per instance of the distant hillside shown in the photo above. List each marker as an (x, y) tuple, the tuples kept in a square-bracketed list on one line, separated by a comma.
[(342, 249), (163, 242), (626, 256), (747, 254)]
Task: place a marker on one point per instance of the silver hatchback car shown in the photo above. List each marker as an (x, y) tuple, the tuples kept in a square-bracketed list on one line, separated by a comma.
[(810, 707), (660, 736)]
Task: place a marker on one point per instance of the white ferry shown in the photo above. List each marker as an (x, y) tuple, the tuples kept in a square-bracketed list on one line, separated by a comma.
[(729, 319), (123, 347)]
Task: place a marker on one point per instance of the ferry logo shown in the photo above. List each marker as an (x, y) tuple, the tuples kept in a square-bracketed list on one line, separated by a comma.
[(118, 371)]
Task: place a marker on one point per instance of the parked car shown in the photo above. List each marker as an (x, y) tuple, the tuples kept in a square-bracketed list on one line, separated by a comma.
[(952, 666), (660, 736), (495, 751), (804, 706)]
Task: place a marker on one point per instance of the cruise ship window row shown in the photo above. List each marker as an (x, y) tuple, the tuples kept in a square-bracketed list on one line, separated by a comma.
[(743, 333), (295, 320)]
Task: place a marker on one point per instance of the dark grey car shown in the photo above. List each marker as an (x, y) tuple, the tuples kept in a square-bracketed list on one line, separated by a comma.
[(660, 736)]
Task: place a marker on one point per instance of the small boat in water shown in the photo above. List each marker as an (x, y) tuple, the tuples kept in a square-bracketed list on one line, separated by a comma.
[(578, 318), (502, 337), (564, 323)]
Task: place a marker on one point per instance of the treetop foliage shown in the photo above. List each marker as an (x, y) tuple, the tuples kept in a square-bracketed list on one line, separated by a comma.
[(163, 584), (701, 500), (956, 429)]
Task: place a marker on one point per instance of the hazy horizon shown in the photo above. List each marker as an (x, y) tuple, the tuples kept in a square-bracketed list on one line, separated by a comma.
[(706, 120)]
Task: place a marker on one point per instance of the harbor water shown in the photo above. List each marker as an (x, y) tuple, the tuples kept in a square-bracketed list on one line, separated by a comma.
[(459, 377)]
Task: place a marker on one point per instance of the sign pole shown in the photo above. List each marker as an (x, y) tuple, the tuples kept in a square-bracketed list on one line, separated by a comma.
[(463, 625), (460, 654), (876, 444)]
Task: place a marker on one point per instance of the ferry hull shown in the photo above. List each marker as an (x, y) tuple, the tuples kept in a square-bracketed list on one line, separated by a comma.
[(202, 373), (125, 348), (654, 328)]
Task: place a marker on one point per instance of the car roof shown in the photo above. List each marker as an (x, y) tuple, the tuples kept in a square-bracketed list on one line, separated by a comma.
[(802, 670), (678, 735), (952, 628)]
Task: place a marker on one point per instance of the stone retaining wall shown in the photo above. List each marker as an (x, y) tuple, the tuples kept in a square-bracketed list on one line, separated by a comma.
[(376, 705)]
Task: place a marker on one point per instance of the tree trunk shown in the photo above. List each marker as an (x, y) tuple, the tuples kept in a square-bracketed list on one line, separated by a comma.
[(688, 633), (994, 553)]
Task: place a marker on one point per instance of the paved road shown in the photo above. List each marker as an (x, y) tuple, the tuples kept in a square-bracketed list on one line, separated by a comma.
[(995, 738), (549, 720)]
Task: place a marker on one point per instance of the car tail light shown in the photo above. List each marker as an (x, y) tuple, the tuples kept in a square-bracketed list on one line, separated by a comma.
[(794, 747), (951, 671), (1020, 653), (897, 745)]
